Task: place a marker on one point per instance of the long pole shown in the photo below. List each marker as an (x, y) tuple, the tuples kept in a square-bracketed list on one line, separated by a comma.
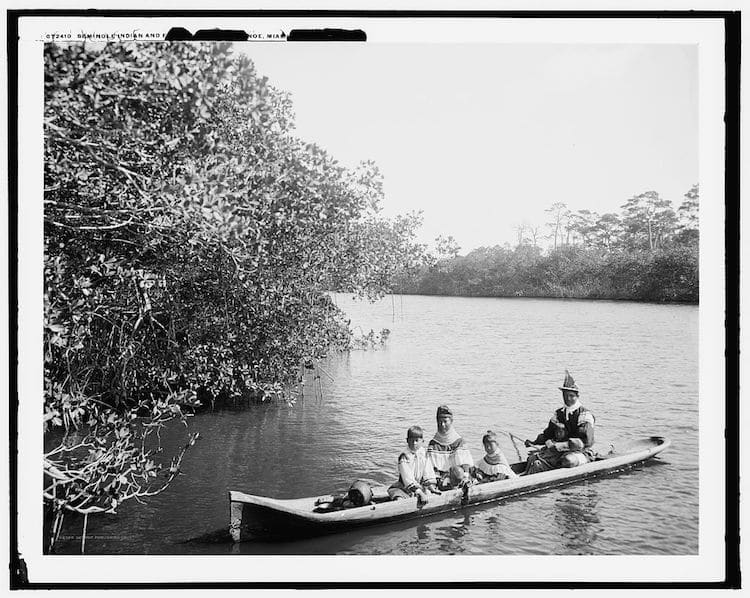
[(83, 535), (513, 439)]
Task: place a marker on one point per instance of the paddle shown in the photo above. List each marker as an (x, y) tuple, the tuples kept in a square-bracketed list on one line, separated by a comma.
[(513, 439)]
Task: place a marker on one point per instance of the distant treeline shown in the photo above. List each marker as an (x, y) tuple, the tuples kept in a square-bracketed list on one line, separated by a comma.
[(648, 253), (662, 275)]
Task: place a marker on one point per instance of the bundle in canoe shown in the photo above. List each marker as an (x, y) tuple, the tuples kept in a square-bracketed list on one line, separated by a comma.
[(261, 517)]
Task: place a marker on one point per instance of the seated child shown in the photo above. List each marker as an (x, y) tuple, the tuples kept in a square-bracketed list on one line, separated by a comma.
[(447, 448), (415, 474), (545, 456), (493, 466)]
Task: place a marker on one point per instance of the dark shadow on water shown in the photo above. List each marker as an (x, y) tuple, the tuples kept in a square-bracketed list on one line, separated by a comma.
[(577, 519), (423, 532), (219, 536), (459, 530)]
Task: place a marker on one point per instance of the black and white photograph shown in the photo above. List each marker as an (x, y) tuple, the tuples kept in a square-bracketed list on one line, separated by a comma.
[(440, 288)]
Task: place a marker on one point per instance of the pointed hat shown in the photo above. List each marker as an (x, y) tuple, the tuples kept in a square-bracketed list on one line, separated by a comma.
[(569, 383)]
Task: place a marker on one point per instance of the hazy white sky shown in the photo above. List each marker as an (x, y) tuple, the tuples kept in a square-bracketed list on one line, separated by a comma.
[(481, 137)]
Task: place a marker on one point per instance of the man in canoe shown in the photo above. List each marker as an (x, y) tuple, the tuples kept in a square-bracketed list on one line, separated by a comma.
[(447, 448), (568, 438)]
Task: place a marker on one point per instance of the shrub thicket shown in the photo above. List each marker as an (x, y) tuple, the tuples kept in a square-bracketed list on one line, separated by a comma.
[(190, 239)]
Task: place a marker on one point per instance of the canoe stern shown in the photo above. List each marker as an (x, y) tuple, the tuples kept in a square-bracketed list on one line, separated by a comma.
[(235, 518), (250, 518)]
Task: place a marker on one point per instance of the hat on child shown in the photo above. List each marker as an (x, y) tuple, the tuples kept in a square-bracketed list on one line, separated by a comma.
[(569, 383)]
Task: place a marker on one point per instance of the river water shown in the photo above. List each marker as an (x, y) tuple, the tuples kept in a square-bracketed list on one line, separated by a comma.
[(497, 363)]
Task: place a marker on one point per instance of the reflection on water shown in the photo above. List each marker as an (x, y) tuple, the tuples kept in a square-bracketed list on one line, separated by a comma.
[(577, 518), (494, 525), (462, 527), (453, 534), (497, 363), (423, 533)]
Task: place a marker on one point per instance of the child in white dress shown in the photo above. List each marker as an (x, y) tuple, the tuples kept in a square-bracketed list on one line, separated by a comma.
[(493, 466)]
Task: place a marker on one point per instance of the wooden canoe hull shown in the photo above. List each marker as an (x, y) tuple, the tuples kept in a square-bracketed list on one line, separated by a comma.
[(261, 517)]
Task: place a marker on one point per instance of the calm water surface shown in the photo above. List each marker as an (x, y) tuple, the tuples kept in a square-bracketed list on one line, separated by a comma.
[(497, 363)]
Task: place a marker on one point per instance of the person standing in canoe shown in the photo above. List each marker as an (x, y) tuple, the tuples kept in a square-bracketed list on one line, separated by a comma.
[(568, 438), (447, 448)]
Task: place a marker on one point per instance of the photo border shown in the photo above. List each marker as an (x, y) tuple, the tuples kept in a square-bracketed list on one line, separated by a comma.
[(732, 29)]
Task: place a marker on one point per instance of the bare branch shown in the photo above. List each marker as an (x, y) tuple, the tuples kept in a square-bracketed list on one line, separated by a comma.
[(103, 227)]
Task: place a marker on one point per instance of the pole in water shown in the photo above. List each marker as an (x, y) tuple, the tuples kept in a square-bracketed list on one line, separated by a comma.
[(393, 307), (83, 535)]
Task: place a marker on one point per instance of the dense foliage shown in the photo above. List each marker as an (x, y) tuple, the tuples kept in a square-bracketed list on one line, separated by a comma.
[(190, 240), (648, 253)]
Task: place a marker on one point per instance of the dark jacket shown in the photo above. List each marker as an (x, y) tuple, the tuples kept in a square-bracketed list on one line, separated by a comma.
[(580, 424)]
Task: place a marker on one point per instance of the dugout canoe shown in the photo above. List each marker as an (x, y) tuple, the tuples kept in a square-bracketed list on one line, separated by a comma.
[(255, 517)]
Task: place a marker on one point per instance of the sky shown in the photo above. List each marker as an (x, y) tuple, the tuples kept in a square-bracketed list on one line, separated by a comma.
[(483, 137)]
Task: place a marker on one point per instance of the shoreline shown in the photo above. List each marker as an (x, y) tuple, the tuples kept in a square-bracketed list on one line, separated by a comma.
[(564, 298)]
